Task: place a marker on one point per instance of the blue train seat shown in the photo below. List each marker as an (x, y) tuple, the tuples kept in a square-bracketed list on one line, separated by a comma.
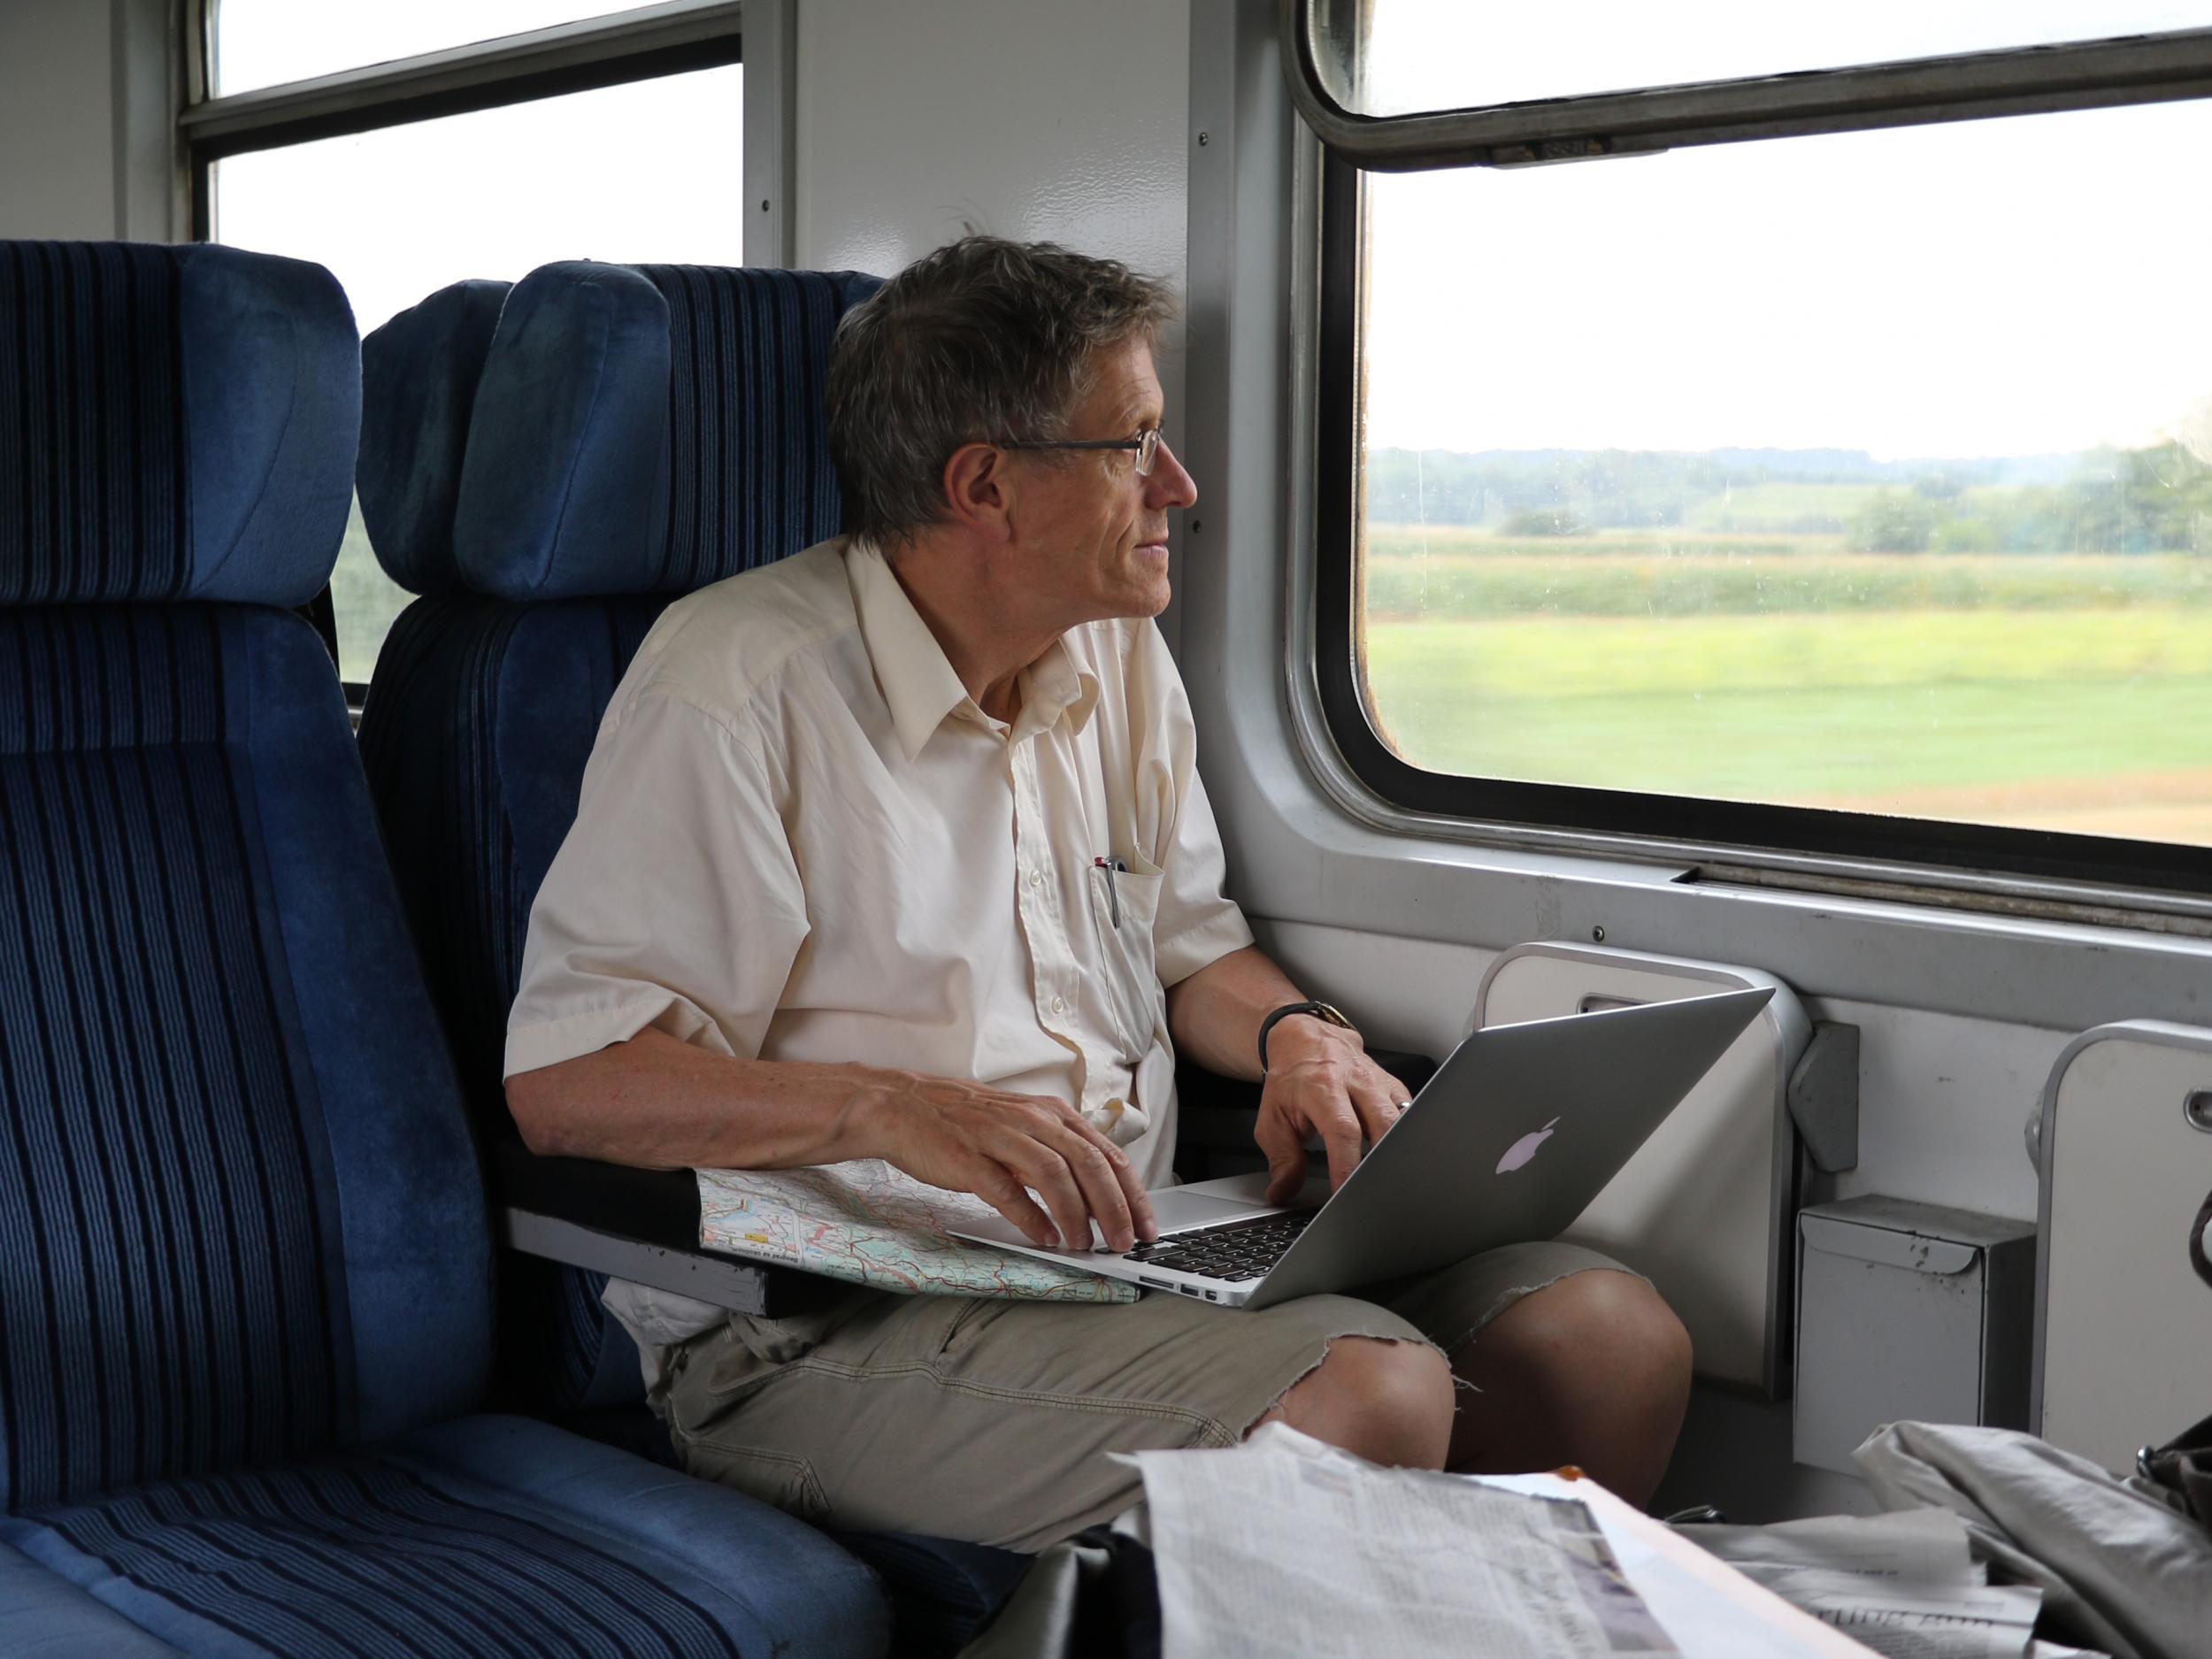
[(547, 467), (245, 1261)]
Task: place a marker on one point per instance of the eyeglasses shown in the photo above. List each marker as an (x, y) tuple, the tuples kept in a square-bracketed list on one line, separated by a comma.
[(1146, 443)]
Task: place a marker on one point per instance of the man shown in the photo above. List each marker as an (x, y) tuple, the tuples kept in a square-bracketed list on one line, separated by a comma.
[(897, 849)]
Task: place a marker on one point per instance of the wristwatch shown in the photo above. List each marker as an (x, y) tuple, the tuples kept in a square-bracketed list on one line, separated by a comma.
[(1320, 1011)]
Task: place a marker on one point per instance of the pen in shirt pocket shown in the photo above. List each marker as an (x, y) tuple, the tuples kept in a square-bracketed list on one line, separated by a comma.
[(1113, 898)]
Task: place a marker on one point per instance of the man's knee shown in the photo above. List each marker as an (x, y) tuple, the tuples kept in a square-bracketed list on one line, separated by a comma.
[(1388, 1401), (1610, 1329), (1592, 1369)]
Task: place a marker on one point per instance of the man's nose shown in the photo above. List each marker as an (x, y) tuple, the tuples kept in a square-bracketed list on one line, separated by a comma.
[(1170, 482)]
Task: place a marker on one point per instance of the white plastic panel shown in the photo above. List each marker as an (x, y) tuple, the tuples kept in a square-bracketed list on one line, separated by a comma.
[(1940, 1099), (57, 120), (2124, 1326), (1067, 122), (1704, 1210)]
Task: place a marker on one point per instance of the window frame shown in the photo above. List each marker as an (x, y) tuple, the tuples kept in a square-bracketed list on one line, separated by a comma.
[(640, 44), (643, 43), (1963, 85), (1806, 844)]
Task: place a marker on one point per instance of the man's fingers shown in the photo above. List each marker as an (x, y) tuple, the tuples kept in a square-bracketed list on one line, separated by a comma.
[(1285, 1177), (1125, 1174), (1069, 1148), (1048, 1169), (1043, 1147), (1284, 1149), (1004, 1192), (1399, 1096), (1140, 1214), (1086, 1154), (1377, 1104), (1341, 1138), (1132, 1184)]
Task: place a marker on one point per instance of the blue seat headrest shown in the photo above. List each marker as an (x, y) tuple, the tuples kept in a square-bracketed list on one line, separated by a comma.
[(418, 375), (176, 423), (649, 429)]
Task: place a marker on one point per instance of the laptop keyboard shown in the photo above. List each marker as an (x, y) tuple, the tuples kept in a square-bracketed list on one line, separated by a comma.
[(1233, 1251)]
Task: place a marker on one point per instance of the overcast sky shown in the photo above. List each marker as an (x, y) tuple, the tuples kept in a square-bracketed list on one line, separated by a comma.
[(1989, 288)]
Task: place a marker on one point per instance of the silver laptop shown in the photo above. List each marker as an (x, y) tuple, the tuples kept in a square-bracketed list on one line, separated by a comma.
[(1511, 1140)]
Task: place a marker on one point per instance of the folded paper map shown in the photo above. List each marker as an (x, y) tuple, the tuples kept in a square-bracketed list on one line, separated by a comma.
[(872, 1225)]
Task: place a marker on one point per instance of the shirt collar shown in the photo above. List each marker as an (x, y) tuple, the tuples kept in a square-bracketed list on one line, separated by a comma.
[(917, 678), (1054, 686)]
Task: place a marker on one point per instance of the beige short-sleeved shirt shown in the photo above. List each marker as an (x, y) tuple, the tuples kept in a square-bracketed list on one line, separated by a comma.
[(800, 838)]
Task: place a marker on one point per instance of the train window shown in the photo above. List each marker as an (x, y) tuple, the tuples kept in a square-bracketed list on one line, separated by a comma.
[(258, 43), (1846, 493), (1384, 57), (643, 163)]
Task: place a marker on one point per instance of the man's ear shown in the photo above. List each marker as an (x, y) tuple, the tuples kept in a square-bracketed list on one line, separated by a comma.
[(978, 488)]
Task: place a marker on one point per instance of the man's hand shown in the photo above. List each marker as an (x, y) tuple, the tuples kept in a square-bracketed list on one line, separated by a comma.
[(1320, 1079), (968, 1138)]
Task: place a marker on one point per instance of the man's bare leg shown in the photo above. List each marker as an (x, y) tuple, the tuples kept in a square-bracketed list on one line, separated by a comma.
[(1594, 1371), (1387, 1401)]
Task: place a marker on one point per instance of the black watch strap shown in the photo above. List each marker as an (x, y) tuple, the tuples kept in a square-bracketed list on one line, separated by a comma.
[(1320, 1011)]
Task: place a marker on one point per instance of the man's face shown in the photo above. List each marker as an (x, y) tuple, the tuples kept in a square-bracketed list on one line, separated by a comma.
[(1093, 533)]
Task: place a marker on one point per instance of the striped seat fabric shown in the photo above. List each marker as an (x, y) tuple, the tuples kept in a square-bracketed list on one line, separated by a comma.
[(245, 1261), (443, 1545), (172, 1284)]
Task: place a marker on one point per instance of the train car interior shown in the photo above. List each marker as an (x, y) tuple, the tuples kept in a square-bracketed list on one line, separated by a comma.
[(1661, 502)]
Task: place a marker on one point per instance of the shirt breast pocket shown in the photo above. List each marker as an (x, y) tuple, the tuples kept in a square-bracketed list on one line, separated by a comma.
[(1124, 903)]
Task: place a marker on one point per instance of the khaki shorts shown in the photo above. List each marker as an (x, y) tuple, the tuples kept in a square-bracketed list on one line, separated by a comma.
[(990, 1420)]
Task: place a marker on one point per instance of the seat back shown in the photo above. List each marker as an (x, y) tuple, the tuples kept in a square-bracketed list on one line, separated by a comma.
[(240, 1217), (611, 437)]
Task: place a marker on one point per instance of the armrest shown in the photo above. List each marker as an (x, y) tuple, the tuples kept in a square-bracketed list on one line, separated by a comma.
[(652, 1205), (638, 1224)]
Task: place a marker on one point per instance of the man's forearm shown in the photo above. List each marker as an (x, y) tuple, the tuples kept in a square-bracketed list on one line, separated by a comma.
[(1215, 1014), (658, 1102)]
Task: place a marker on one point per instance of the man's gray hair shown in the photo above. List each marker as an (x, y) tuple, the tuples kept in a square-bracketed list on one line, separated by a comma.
[(982, 341)]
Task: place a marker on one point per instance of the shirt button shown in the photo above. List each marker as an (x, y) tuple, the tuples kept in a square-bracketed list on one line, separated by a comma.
[(1059, 1005), (1036, 879)]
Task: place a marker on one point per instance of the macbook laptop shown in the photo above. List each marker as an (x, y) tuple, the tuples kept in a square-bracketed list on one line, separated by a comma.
[(1511, 1140)]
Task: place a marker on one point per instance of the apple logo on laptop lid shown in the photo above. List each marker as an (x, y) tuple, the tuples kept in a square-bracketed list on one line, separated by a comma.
[(1522, 1150)]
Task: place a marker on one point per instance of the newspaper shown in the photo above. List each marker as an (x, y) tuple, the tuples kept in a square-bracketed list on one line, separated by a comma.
[(1285, 1547), (1915, 1544), (1905, 1585)]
